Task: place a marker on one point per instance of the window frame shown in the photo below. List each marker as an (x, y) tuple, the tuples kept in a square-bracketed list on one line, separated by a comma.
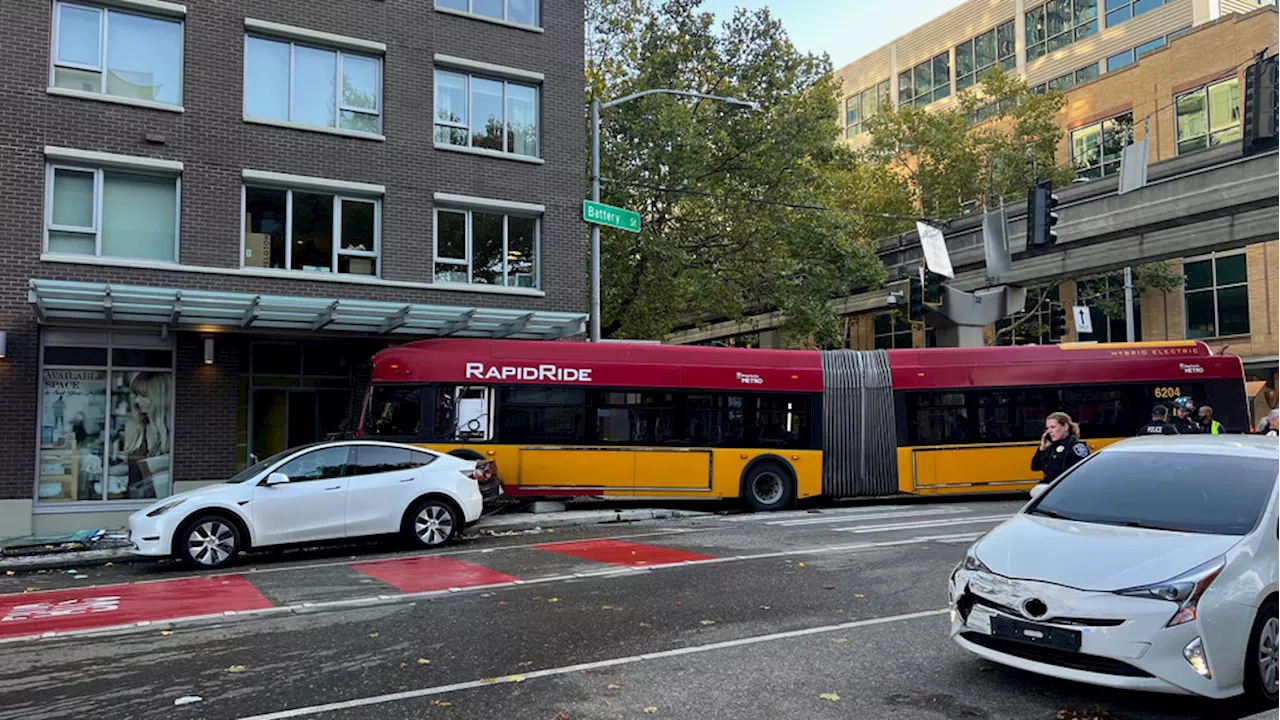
[(468, 76), (1215, 288), (51, 168), (338, 105), (1106, 168), (104, 20), (1126, 7), (468, 237), (1236, 128), (881, 94), (506, 13), (336, 251), (898, 327), (916, 99), (344, 469), (975, 76), (1041, 48)]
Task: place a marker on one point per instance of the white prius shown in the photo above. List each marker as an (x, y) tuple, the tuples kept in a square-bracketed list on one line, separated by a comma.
[(1150, 566), (325, 491)]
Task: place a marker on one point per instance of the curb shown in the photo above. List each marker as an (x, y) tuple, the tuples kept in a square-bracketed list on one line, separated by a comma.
[(497, 525)]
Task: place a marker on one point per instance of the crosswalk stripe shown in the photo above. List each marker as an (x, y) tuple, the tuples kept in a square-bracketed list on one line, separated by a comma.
[(922, 525), (826, 520), (851, 513)]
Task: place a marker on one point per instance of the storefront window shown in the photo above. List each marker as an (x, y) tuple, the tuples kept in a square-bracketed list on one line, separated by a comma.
[(106, 428)]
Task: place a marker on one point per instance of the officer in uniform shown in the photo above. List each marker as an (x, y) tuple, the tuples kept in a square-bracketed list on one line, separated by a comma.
[(1060, 447), (1184, 413), (1159, 424)]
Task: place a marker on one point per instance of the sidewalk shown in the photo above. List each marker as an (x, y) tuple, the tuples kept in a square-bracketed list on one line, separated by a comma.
[(111, 547)]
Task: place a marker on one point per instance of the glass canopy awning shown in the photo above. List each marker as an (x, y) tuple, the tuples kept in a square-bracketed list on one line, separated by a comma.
[(63, 301)]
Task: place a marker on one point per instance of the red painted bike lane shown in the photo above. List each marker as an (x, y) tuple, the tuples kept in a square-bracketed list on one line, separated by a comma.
[(619, 552), (110, 605)]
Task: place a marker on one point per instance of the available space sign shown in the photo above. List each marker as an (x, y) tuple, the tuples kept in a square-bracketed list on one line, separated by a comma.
[(608, 215)]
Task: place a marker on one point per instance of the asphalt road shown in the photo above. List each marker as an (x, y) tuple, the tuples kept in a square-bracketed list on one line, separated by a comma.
[(829, 614)]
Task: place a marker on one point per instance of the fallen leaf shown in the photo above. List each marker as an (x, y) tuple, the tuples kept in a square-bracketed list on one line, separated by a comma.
[(515, 678), (840, 640), (707, 622), (829, 696), (110, 564), (553, 600), (764, 607), (373, 635), (608, 701), (614, 686), (799, 564), (441, 703), (503, 602), (166, 633), (404, 664), (82, 577), (608, 607), (10, 573), (236, 669), (187, 700), (29, 590), (526, 663), (488, 681), (859, 595), (423, 661), (651, 709), (562, 716)]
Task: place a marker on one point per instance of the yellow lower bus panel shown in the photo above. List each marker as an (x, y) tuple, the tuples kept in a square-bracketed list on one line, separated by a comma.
[(961, 469)]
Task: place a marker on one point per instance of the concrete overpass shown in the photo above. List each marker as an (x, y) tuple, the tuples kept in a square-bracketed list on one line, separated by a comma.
[(1208, 201)]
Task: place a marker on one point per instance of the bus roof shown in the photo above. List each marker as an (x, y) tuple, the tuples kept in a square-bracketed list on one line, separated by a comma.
[(715, 368)]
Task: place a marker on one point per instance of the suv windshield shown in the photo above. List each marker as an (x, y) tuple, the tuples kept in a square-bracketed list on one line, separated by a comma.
[(257, 468), (1215, 494)]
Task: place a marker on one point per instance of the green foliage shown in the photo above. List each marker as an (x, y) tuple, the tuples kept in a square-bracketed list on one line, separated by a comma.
[(1106, 291), (714, 252)]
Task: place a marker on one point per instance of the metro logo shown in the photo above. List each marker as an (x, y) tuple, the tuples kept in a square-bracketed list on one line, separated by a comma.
[(478, 371)]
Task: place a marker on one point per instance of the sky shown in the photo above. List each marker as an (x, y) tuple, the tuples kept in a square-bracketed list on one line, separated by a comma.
[(844, 29)]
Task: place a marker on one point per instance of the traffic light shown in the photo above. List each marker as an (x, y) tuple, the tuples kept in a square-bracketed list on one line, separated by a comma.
[(1260, 106), (1057, 322), (931, 292), (1042, 215), (915, 293)]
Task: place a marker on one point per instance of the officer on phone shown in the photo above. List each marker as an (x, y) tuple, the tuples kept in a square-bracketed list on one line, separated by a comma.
[(1060, 447), (1159, 424), (1184, 413)]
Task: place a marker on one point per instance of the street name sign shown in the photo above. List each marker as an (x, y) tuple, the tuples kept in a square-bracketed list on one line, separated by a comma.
[(610, 216)]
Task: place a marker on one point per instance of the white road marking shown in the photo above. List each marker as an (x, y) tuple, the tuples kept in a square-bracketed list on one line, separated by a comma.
[(922, 525), (567, 669), (769, 517), (827, 520)]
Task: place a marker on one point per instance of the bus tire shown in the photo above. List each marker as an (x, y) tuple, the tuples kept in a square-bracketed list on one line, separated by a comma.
[(463, 454), (768, 486)]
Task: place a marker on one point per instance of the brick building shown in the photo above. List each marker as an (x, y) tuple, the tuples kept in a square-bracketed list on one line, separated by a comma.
[(214, 214)]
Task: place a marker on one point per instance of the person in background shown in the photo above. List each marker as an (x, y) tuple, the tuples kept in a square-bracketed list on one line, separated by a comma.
[(1207, 423), (1184, 418), (1270, 424), (1060, 447), (1159, 424)]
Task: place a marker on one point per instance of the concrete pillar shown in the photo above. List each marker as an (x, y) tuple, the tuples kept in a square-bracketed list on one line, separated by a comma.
[(960, 336), (770, 339)]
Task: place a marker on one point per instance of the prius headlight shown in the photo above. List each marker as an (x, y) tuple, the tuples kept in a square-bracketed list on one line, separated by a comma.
[(973, 564), (1185, 590), (166, 507)]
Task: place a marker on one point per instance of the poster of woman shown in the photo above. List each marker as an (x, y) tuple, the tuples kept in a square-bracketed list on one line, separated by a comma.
[(141, 435)]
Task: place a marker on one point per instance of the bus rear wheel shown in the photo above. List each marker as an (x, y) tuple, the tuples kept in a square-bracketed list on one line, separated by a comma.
[(767, 487)]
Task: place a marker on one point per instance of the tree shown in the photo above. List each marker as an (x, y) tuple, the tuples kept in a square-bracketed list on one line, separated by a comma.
[(714, 185)]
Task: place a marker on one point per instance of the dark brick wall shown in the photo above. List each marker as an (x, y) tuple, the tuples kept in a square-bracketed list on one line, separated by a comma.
[(214, 144)]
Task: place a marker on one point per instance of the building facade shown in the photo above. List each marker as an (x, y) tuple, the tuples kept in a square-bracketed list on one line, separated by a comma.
[(215, 214)]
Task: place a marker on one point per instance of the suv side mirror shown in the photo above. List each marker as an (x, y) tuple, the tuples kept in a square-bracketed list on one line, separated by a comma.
[(1036, 491), (277, 478)]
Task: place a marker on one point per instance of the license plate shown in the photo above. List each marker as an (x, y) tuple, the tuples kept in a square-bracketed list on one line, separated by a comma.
[(1035, 634)]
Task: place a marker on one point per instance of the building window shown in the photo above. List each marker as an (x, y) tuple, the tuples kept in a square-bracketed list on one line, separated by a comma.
[(106, 418), (289, 82), (1209, 116), (1217, 296), (111, 213), (1105, 327), (116, 53), (311, 231), (1058, 23), (480, 112), (926, 82), (1096, 148), (486, 248), (1120, 10), (522, 12), (995, 47), (892, 331), (991, 111), (860, 108), (1071, 79)]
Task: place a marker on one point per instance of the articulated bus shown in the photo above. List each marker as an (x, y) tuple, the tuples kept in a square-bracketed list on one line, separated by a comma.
[(620, 420)]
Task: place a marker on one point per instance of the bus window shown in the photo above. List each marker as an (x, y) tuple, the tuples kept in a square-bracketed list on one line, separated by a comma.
[(1014, 415), (714, 420), (938, 418), (647, 417), (472, 414), (781, 421), (543, 415), (394, 411)]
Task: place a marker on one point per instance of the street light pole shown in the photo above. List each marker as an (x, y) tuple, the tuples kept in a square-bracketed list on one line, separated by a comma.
[(596, 107)]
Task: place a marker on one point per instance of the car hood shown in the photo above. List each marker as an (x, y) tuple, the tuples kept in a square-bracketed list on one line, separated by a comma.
[(209, 492), (1090, 556)]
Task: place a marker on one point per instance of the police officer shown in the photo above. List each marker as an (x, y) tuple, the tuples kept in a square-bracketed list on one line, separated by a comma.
[(1207, 423), (1184, 419), (1159, 424), (1060, 447)]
